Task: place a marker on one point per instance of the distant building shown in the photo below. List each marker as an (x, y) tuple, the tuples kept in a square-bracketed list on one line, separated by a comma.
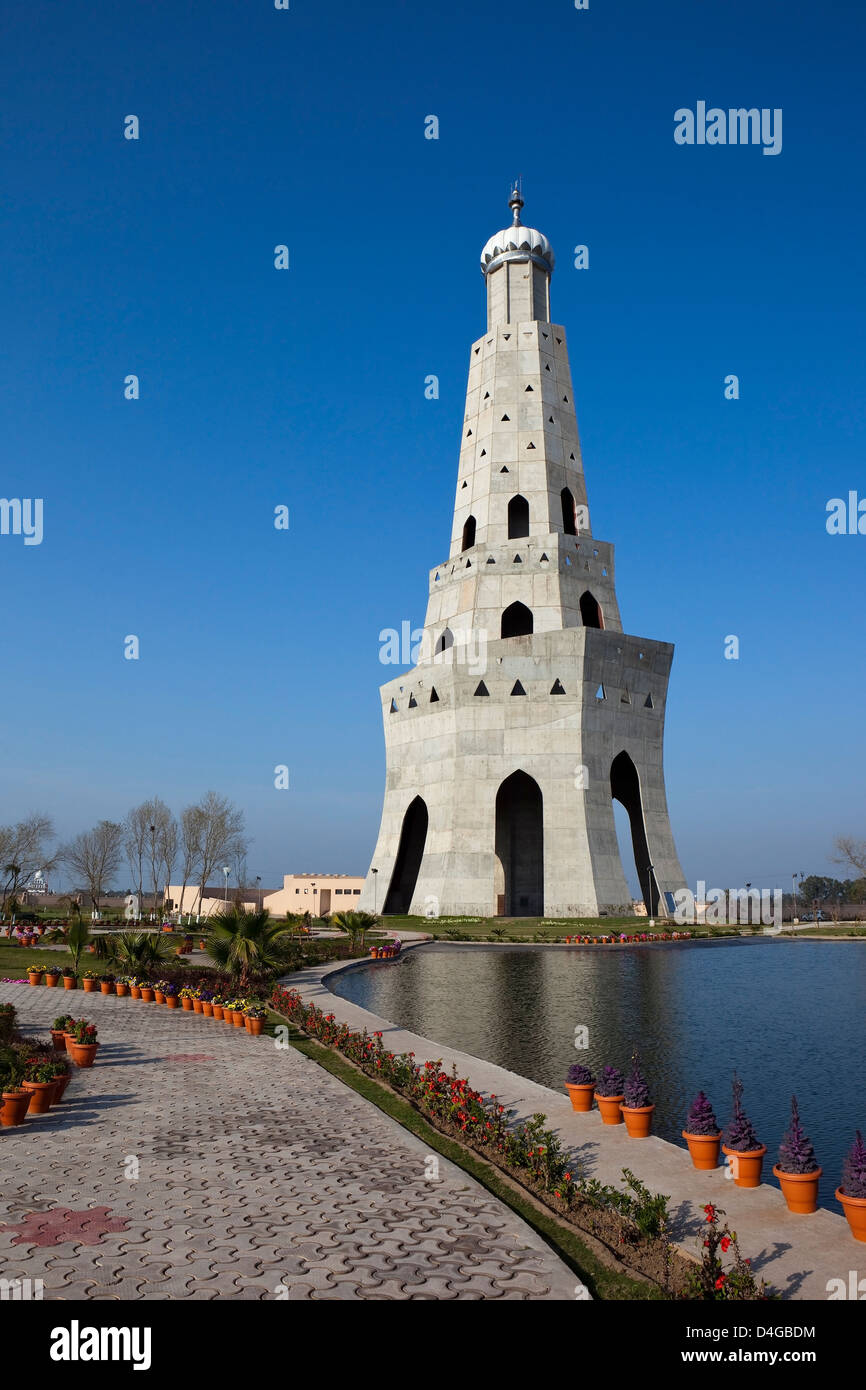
[(317, 894)]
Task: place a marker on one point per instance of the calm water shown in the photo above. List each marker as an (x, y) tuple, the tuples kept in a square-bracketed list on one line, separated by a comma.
[(789, 1016)]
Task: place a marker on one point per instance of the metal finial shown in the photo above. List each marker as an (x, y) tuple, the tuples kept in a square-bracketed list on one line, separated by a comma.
[(516, 202)]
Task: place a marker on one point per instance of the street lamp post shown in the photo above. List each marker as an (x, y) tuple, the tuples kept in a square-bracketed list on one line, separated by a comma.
[(375, 873), (748, 905), (226, 872), (259, 888), (649, 893)]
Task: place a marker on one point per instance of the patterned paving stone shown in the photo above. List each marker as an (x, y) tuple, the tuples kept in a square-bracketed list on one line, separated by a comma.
[(258, 1177)]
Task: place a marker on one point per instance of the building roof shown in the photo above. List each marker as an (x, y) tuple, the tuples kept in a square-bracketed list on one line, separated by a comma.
[(517, 241)]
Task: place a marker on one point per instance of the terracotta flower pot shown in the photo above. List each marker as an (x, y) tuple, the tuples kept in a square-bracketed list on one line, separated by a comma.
[(207, 1008), (106, 986), (83, 1054), (611, 1108), (69, 982), (800, 1190), (51, 978), (374, 952), (171, 1001), (217, 1011), (747, 1164), (855, 1211), (14, 1107), (89, 986), (581, 1096), (638, 1120), (238, 1018), (196, 1006), (121, 990), (704, 1148), (159, 996), (35, 977), (41, 1096), (147, 996), (255, 1026), (186, 1004), (60, 1084), (135, 991)]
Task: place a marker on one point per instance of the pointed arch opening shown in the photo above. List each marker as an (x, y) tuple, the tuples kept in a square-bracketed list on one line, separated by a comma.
[(444, 641), (625, 788), (413, 837), (569, 524), (590, 610), (519, 857), (516, 621), (468, 533), (518, 517)]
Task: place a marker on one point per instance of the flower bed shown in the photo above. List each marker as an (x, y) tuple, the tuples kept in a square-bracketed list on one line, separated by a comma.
[(631, 1224)]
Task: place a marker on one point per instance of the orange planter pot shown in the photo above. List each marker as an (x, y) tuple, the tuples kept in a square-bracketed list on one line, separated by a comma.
[(51, 980), (207, 1008), (147, 996), (855, 1211), (255, 1026), (638, 1120), (35, 977), (58, 1039), (186, 1004), (611, 1108), (60, 1086), (89, 986), (159, 996), (171, 1001), (106, 986), (134, 991), (196, 1006), (237, 1018), (217, 1011), (121, 990), (14, 1107), (747, 1165), (581, 1096), (83, 1054), (69, 982), (704, 1148), (800, 1190), (41, 1096)]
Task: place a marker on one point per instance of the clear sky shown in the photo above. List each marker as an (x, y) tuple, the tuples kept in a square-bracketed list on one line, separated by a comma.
[(305, 387)]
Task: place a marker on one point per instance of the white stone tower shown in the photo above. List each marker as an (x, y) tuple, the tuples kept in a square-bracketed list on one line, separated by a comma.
[(529, 709)]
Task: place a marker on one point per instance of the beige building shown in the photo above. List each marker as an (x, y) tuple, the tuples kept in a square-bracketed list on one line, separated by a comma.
[(317, 894)]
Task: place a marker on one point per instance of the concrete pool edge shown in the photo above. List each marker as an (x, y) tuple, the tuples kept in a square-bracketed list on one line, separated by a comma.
[(798, 1255)]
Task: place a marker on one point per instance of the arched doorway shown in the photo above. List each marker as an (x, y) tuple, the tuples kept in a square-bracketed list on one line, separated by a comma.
[(519, 864), (409, 855), (468, 533), (625, 788), (590, 610), (518, 517), (516, 621), (568, 522)]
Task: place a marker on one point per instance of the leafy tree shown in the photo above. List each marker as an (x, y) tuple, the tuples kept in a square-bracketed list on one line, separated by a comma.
[(245, 943)]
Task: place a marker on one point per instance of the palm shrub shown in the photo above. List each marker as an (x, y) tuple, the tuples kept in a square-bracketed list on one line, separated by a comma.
[(78, 937), (136, 952), (245, 943), (355, 925)]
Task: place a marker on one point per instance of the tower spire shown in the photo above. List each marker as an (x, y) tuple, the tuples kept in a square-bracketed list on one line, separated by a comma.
[(516, 203)]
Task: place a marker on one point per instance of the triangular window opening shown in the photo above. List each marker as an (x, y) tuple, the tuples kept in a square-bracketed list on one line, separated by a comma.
[(648, 702), (559, 340), (464, 484), (547, 367), (544, 560), (490, 560), (503, 470), (550, 420), (506, 336), (483, 453), (469, 564), (517, 560), (565, 398), (468, 432), (413, 703), (393, 709), (434, 698), (568, 559), (481, 689), (477, 350), (527, 388), (436, 579), (625, 698), (530, 445), (557, 688), (487, 395), (599, 694), (571, 456), (505, 417), (545, 335), (518, 689)]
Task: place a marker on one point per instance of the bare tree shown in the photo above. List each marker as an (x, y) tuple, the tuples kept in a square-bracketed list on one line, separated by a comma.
[(159, 818), (96, 855), (190, 841), (24, 850), (852, 853), (168, 845), (221, 831), (135, 842)]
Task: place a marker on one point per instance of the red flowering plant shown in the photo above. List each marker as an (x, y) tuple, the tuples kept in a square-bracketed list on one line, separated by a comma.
[(715, 1280), (83, 1032)]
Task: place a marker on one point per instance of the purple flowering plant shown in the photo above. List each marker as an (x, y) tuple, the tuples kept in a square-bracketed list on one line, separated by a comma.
[(854, 1169), (796, 1154), (701, 1118), (740, 1134), (636, 1091), (579, 1075), (610, 1083)]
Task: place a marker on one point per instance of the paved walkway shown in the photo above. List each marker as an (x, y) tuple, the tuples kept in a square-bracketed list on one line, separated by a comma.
[(258, 1176), (796, 1254)]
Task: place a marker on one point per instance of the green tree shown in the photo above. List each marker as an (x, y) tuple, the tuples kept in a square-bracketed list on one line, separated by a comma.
[(355, 925), (245, 943)]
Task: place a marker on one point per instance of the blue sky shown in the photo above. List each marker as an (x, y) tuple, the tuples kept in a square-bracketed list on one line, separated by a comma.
[(306, 388)]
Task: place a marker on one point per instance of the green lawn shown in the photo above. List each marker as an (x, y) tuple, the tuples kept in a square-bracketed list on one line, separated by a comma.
[(535, 928)]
